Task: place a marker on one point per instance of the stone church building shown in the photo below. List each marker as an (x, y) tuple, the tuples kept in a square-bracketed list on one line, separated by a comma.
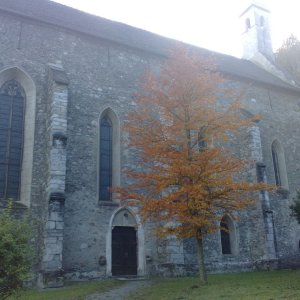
[(67, 79)]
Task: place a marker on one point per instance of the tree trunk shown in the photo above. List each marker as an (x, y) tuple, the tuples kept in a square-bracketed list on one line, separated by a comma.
[(202, 270)]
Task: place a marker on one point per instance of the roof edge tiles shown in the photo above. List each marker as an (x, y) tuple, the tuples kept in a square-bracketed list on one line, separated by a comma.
[(72, 19)]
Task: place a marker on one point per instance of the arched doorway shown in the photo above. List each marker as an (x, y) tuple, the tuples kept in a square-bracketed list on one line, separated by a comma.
[(124, 244), (124, 251)]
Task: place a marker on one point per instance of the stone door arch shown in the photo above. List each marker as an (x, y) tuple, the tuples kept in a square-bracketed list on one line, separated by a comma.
[(125, 244)]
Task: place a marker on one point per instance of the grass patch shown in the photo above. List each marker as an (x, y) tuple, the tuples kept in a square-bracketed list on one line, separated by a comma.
[(238, 286), (72, 291)]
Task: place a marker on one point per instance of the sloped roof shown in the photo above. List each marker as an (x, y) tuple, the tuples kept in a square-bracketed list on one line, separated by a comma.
[(248, 70), (72, 19)]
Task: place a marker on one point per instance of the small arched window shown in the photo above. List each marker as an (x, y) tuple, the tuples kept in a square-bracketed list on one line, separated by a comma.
[(248, 24), (225, 237), (228, 238), (202, 144), (106, 153), (279, 165), (12, 107)]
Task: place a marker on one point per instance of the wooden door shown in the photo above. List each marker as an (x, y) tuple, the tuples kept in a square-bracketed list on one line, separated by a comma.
[(124, 251)]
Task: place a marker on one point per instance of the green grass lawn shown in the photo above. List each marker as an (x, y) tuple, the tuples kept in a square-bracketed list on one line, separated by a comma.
[(238, 286), (72, 291)]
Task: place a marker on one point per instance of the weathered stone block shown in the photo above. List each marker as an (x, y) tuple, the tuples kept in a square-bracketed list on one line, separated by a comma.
[(50, 225), (59, 225)]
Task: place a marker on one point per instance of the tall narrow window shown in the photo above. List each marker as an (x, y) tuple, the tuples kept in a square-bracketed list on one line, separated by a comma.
[(248, 24), (279, 165), (202, 143), (228, 236), (276, 165), (12, 105), (225, 237), (106, 153)]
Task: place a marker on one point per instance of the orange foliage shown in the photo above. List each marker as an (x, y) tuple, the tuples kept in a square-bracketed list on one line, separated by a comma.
[(187, 177)]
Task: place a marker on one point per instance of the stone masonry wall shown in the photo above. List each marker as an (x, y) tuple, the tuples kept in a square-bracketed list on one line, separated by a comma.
[(101, 75)]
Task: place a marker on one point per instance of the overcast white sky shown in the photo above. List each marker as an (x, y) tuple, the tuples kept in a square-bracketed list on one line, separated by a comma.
[(212, 24)]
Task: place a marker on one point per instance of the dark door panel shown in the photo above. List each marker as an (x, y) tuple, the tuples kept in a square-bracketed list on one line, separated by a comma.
[(124, 251)]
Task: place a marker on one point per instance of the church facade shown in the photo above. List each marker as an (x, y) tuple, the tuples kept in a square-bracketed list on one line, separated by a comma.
[(67, 79)]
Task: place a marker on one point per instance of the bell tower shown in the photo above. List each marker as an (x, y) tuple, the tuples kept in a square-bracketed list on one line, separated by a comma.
[(256, 34)]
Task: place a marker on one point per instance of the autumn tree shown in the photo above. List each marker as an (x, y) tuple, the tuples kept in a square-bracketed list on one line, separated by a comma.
[(288, 56), (186, 177)]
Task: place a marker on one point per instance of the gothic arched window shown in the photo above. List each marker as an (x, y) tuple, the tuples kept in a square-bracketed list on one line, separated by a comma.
[(279, 165), (202, 144), (228, 236), (248, 24), (12, 107), (225, 237), (106, 155), (276, 165)]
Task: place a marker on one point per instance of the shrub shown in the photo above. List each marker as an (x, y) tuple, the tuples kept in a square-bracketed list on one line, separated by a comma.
[(15, 252), (296, 207)]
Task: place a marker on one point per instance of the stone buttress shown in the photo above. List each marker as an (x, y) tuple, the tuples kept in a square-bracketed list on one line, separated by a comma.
[(52, 273), (255, 146)]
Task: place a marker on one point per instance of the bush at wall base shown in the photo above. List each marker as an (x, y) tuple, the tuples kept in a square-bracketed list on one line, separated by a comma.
[(15, 250)]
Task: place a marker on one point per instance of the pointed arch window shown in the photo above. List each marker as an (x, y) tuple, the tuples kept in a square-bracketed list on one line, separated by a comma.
[(12, 107), (276, 165), (248, 24), (202, 144), (228, 236), (225, 237), (279, 165), (106, 156)]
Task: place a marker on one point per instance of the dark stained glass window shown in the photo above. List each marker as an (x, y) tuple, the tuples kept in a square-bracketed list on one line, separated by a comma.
[(105, 158), (12, 105), (225, 237)]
